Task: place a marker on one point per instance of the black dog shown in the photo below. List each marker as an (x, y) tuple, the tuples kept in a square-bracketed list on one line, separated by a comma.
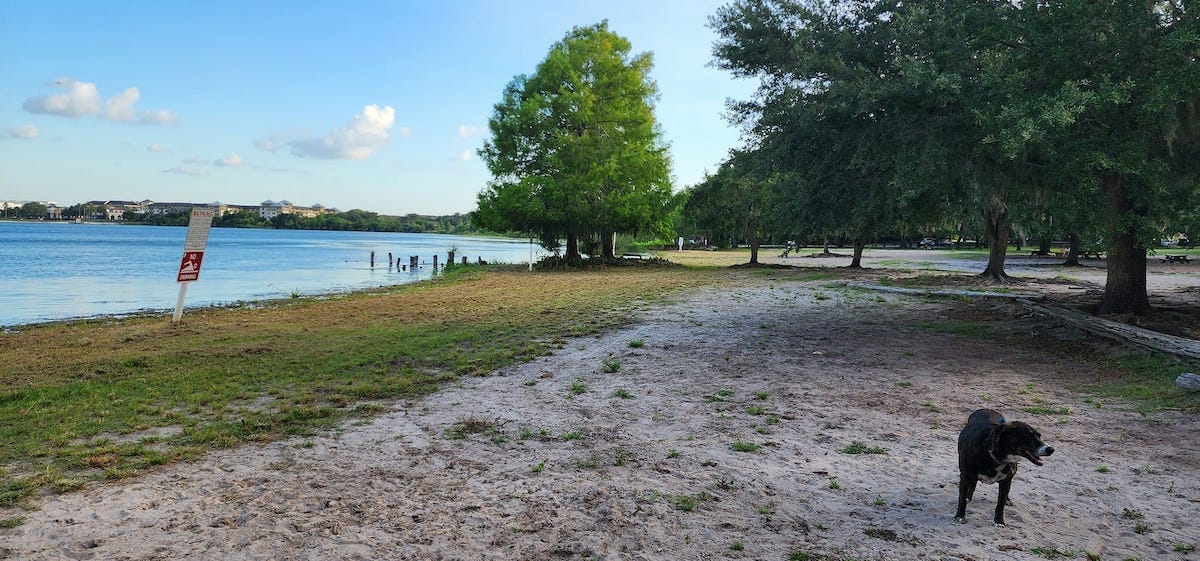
[(988, 451)]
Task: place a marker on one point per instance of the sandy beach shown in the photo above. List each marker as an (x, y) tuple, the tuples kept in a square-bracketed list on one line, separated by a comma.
[(721, 432)]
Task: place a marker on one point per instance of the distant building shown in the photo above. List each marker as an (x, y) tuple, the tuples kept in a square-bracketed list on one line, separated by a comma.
[(270, 209), (164, 209)]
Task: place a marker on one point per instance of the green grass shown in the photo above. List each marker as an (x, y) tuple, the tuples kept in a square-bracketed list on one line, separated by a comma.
[(636, 343), (744, 446), (101, 399), (577, 387), (1047, 410), (858, 447), (610, 365), (1053, 553), (622, 393), (1148, 385), (688, 503)]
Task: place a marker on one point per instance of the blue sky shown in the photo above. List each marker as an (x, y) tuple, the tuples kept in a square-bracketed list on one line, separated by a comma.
[(378, 105)]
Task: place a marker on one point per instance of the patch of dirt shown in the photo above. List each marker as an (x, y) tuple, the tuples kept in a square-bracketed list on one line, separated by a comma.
[(726, 425)]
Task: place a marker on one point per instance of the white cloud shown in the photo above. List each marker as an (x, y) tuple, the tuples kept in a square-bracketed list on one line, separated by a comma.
[(157, 148), (83, 98), (234, 160), (121, 108), (187, 170), (24, 131), (467, 131), (355, 141), (463, 156)]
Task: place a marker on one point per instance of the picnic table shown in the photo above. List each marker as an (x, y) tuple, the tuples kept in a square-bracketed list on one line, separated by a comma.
[(1175, 259)]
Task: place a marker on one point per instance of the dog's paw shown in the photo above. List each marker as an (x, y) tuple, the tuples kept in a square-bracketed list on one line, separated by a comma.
[(960, 519), (999, 524)]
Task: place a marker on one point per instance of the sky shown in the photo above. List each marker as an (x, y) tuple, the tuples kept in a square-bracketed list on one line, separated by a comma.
[(377, 105)]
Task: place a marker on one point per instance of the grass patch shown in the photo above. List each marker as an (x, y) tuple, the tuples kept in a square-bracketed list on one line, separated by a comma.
[(610, 365), (744, 446), (858, 447), (1047, 410), (1052, 553), (688, 503), (622, 393), (636, 343), (578, 387), (224, 376), (1148, 384)]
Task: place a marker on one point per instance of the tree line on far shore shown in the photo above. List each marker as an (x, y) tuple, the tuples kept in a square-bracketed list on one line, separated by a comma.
[(352, 220)]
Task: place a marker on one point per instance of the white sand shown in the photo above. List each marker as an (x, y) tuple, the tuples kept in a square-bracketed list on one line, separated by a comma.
[(833, 367)]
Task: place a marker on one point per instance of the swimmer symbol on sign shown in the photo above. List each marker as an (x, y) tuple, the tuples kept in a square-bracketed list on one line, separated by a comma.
[(189, 266)]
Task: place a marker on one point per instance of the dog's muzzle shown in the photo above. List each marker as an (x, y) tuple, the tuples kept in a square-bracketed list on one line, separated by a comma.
[(1036, 457)]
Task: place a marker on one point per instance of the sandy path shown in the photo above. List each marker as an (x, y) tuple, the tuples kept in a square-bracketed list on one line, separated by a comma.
[(653, 475)]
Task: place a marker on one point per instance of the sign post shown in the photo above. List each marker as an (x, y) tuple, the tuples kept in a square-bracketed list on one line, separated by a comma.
[(193, 253)]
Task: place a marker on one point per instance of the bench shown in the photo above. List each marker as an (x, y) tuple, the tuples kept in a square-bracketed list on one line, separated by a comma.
[(636, 256), (1175, 259), (1091, 254)]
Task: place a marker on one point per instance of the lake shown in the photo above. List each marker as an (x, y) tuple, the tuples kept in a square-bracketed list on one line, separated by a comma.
[(59, 270)]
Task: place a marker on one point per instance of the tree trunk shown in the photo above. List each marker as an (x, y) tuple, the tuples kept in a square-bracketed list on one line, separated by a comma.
[(1018, 240), (608, 242), (1125, 288), (753, 250), (856, 261), (1073, 251), (1044, 246), (573, 247), (826, 247), (995, 222)]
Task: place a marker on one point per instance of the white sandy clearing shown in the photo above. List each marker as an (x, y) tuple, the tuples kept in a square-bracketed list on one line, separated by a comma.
[(654, 475)]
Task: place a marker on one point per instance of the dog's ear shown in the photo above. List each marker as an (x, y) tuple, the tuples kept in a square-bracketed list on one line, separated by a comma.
[(995, 433)]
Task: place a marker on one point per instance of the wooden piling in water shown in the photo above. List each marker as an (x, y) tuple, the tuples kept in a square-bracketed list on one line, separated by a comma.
[(390, 260), (372, 259), (435, 262)]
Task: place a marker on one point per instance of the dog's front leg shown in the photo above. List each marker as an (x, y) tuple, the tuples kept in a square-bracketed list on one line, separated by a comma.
[(1005, 485), (965, 487)]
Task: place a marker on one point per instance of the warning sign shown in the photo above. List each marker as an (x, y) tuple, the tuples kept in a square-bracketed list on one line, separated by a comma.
[(189, 266), (198, 227)]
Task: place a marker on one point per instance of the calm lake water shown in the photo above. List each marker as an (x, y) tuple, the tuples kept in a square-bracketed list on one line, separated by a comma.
[(52, 271)]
